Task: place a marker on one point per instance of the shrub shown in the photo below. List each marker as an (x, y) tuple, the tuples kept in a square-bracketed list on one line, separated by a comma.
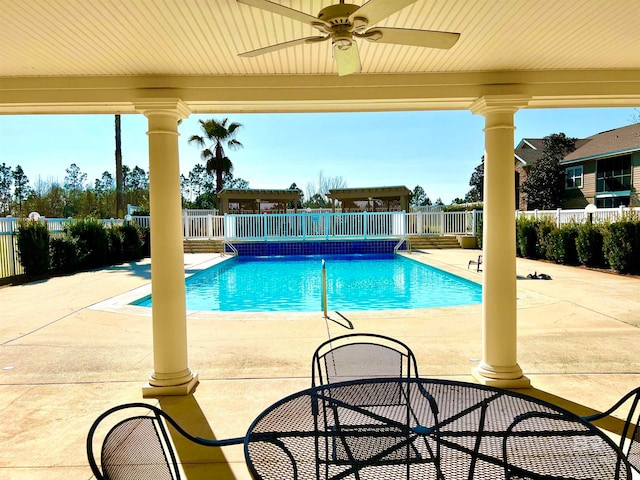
[(544, 227), (460, 208), (526, 236), (33, 247), (620, 245), (93, 243), (65, 256), (479, 233), (561, 245), (116, 245), (133, 242), (146, 241), (589, 248)]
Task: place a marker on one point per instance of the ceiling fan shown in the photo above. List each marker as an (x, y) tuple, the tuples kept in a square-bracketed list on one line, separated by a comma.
[(343, 23)]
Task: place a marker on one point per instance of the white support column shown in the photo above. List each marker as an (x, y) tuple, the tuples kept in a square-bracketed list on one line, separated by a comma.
[(171, 375), (499, 365)]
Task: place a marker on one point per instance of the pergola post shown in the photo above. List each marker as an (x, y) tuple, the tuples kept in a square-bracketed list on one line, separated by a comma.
[(171, 374), (499, 365)]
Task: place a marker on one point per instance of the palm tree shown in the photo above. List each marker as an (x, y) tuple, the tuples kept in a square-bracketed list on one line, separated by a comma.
[(217, 133)]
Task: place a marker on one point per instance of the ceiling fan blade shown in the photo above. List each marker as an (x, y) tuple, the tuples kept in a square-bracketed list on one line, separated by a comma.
[(348, 60), (280, 46), (418, 38), (281, 10), (376, 10)]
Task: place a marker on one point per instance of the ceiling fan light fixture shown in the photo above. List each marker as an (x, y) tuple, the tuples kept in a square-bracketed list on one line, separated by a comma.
[(342, 43)]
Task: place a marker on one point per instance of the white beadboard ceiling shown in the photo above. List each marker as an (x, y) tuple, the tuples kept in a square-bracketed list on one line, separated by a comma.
[(69, 38)]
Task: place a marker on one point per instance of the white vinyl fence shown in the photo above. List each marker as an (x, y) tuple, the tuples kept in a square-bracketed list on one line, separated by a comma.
[(10, 265), (323, 225), (443, 223), (561, 217), (309, 225)]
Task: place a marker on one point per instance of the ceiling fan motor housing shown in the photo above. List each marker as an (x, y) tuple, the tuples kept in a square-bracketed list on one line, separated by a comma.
[(341, 27), (337, 14)]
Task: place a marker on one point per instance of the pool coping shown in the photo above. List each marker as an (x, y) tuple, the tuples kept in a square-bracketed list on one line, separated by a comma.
[(123, 303)]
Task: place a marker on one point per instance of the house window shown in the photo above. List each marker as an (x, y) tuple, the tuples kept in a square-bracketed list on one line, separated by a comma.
[(573, 177), (614, 174), (612, 202)]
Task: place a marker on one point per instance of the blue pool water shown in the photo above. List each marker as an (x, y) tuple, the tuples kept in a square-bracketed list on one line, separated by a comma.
[(354, 282)]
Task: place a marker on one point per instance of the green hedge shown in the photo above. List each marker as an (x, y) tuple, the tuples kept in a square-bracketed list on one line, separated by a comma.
[(561, 245), (84, 245), (544, 240), (460, 208), (589, 245), (133, 240), (93, 243), (610, 245), (33, 247), (479, 227), (620, 246), (64, 254), (526, 237)]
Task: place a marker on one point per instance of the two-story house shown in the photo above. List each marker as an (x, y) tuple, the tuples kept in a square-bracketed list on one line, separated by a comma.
[(603, 169)]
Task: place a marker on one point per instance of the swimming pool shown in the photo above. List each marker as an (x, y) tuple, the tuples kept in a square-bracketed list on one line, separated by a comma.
[(354, 282)]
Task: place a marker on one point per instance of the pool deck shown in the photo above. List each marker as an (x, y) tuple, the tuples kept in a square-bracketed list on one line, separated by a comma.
[(69, 350)]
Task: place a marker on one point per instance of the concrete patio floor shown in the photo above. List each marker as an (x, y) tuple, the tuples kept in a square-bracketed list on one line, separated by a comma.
[(65, 357)]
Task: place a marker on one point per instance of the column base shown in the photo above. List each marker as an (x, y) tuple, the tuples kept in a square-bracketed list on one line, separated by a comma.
[(511, 377), (151, 391)]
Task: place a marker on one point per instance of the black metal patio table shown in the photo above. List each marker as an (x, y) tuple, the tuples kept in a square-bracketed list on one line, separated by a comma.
[(425, 428)]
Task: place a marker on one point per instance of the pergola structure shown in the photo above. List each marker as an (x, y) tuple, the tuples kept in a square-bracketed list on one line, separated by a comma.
[(167, 60), (256, 200), (372, 199)]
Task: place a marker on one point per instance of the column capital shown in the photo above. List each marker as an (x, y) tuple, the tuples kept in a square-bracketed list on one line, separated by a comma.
[(499, 104), (167, 106)]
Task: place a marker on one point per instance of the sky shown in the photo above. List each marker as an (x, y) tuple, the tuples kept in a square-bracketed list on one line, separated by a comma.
[(436, 150)]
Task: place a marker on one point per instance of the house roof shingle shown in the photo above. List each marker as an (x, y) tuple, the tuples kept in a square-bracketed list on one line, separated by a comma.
[(528, 156), (619, 140), (529, 150), (531, 144)]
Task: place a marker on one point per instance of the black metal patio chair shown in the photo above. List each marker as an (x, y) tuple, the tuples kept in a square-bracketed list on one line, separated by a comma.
[(359, 356), (477, 263), (138, 445), (356, 432), (630, 437), (548, 445)]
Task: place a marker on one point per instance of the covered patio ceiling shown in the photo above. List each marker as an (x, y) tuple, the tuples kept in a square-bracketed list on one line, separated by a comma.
[(86, 56)]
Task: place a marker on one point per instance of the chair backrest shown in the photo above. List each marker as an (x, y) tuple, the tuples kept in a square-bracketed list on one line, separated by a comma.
[(630, 437), (552, 445), (136, 446), (360, 356)]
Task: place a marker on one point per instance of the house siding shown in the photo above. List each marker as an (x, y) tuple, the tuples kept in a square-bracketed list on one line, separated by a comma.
[(589, 180), (580, 197), (521, 202)]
